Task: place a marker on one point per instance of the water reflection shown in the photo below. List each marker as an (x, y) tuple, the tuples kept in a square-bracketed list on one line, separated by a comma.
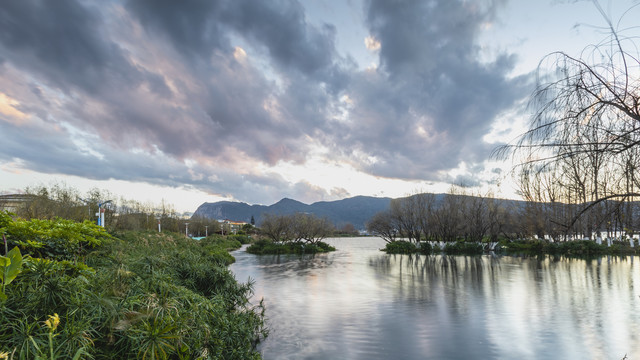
[(293, 265), (358, 303)]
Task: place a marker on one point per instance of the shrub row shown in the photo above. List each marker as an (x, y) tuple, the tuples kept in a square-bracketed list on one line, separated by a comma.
[(454, 248), (571, 248)]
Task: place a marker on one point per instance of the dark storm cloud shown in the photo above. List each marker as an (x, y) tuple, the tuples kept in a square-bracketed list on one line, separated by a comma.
[(63, 42), (93, 55), (73, 52), (234, 101), (432, 99), (192, 26), (280, 27)]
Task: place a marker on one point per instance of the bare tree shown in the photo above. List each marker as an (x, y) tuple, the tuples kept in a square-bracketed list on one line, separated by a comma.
[(276, 227), (475, 212), (584, 131), (310, 228), (425, 206), (297, 227), (447, 218), (382, 225), (405, 213), (348, 229)]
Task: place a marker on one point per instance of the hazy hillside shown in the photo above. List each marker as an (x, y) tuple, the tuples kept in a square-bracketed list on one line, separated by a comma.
[(356, 210)]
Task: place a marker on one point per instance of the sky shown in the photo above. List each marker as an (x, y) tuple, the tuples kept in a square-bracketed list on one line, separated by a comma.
[(253, 101)]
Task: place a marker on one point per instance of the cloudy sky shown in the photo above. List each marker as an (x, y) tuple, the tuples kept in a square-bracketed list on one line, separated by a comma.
[(248, 100)]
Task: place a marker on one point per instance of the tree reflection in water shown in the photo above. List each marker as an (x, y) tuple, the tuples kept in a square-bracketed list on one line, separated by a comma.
[(359, 303)]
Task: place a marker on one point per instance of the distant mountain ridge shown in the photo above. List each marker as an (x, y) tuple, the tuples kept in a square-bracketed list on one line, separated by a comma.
[(355, 210)]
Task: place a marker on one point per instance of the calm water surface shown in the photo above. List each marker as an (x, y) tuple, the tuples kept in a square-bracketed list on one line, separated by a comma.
[(359, 303)]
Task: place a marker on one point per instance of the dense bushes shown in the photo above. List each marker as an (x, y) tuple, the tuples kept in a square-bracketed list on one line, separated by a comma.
[(242, 239), (578, 247), (57, 239), (266, 246), (133, 295), (400, 247), (463, 248), (453, 248), (529, 246)]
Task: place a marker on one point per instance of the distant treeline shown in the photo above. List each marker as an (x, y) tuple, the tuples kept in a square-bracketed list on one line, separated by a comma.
[(50, 202), (475, 218)]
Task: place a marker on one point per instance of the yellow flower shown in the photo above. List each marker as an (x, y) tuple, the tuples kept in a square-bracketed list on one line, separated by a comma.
[(52, 322), (4, 355)]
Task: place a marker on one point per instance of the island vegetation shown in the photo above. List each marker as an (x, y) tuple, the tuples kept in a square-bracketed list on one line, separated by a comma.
[(293, 234), (462, 224)]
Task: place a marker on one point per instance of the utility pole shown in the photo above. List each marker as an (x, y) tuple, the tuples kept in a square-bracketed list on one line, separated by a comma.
[(100, 213), (186, 229), (206, 231)]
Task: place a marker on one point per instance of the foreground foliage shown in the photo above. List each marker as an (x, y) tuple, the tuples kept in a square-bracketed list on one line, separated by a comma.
[(87, 294)]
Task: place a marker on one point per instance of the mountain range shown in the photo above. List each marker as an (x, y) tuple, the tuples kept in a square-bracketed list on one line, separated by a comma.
[(355, 210)]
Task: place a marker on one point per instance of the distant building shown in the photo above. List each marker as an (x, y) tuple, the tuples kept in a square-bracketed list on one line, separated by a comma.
[(229, 226)]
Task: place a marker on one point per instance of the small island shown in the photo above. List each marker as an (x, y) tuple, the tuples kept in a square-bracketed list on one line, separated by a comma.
[(299, 233), (457, 223)]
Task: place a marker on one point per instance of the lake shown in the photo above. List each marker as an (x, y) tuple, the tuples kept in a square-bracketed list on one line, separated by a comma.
[(359, 303)]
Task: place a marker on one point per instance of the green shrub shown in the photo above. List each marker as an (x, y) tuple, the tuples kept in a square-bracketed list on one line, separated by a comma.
[(400, 247), (425, 248), (463, 248), (529, 245), (242, 239), (264, 246), (570, 248), (325, 247), (58, 239), (579, 247)]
